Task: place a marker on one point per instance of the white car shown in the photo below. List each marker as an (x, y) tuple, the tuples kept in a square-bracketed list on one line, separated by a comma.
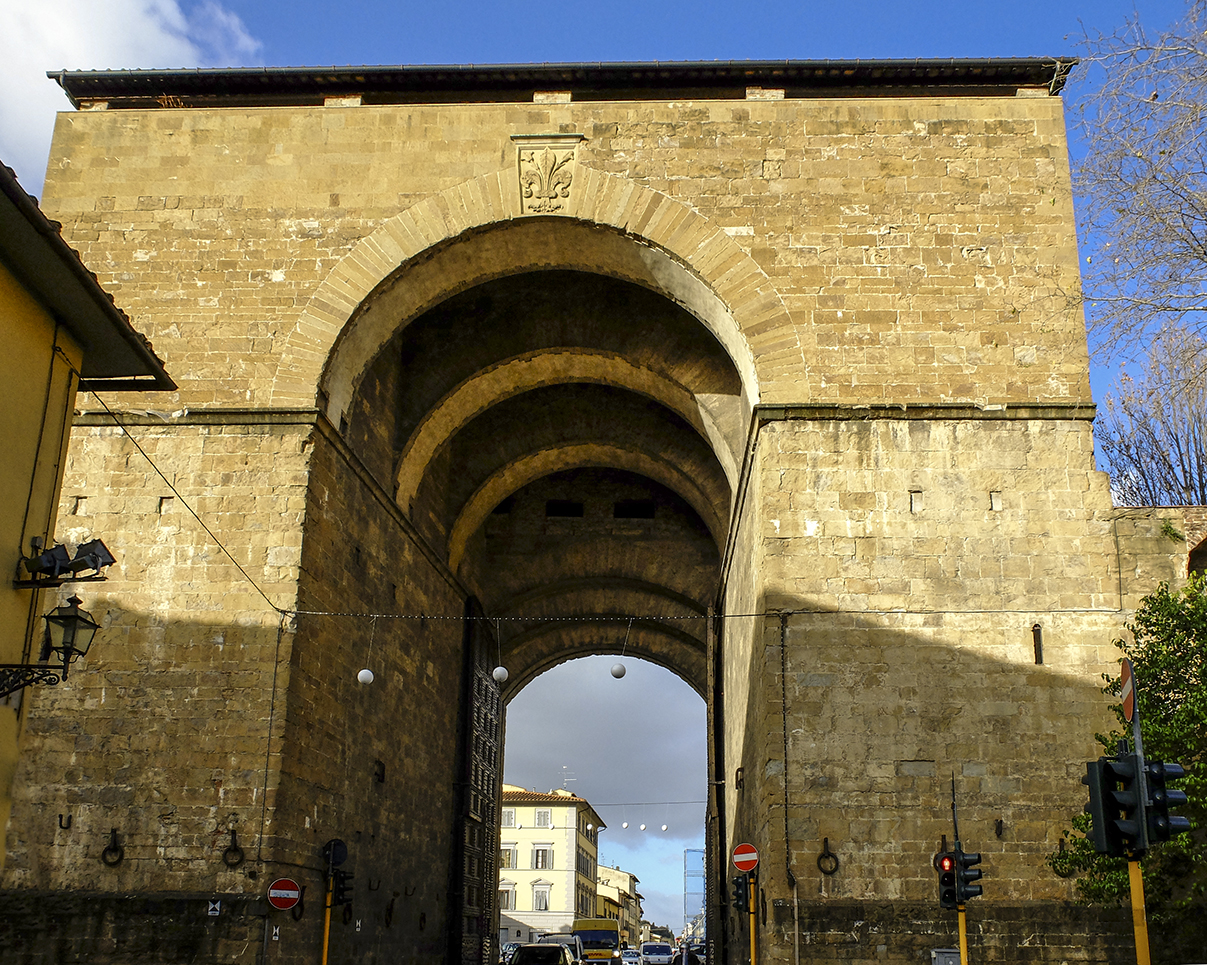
[(630, 956)]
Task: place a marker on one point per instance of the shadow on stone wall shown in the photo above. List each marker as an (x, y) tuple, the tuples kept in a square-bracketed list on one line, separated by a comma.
[(863, 721), (163, 734)]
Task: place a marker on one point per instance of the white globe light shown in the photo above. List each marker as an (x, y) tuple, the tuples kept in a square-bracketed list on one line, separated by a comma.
[(618, 670), (625, 824), (365, 676), (664, 827), (643, 827), (500, 675)]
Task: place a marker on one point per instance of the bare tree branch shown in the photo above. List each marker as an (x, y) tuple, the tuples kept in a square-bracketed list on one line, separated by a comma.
[(1142, 188), (1153, 433)]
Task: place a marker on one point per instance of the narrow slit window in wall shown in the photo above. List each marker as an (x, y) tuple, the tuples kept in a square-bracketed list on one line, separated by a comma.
[(1037, 638)]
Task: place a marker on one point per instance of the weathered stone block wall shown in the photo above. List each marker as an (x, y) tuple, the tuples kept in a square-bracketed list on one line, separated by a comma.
[(867, 931), (900, 251), (162, 731), (50, 927), (906, 655), (166, 737), (921, 246), (360, 557)]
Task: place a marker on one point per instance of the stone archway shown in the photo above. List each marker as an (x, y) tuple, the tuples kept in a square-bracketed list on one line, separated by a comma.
[(558, 411), (678, 252)]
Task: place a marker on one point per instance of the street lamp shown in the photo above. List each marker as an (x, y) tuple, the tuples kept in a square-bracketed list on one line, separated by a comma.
[(69, 633), (55, 566)]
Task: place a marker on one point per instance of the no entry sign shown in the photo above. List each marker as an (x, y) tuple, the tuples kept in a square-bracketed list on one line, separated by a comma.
[(284, 893), (745, 857)]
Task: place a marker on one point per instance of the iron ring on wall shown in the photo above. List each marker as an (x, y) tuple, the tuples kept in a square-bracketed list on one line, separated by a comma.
[(827, 861)]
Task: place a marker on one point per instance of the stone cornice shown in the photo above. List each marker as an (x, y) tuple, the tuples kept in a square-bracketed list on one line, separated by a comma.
[(825, 412)]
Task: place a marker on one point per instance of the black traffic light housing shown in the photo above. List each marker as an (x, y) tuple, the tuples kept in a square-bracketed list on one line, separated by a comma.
[(335, 853), (341, 888), (945, 864), (1117, 807), (1161, 826), (741, 893), (966, 873)]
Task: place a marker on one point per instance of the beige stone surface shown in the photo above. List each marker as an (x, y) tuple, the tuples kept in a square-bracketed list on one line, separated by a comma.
[(854, 428)]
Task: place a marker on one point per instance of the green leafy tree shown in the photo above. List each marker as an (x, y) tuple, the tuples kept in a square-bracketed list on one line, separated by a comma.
[(1168, 652)]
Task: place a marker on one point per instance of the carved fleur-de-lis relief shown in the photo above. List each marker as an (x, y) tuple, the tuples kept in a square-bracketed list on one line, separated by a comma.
[(545, 178), (546, 169)]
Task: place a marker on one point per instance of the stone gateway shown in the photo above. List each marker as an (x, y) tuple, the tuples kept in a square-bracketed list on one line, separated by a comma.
[(780, 367)]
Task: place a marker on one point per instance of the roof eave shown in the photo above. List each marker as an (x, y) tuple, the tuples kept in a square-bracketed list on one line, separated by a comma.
[(275, 85), (116, 355)]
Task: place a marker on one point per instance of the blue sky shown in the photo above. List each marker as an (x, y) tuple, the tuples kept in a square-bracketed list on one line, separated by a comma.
[(640, 739)]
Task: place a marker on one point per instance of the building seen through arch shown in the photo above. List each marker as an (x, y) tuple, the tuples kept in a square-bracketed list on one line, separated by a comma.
[(774, 366)]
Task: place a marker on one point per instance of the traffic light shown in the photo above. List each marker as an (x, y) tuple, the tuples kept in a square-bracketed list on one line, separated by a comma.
[(1102, 809), (1162, 827), (741, 902), (341, 889), (1117, 808), (966, 874), (945, 864)]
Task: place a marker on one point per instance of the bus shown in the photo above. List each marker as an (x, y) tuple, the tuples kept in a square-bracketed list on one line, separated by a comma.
[(600, 938)]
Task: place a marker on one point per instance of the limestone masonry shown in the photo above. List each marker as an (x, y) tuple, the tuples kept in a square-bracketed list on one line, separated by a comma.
[(783, 363)]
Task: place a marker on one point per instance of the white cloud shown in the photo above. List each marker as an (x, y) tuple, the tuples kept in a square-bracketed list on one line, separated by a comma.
[(42, 35)]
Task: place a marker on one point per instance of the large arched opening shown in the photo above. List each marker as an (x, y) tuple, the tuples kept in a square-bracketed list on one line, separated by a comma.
[(562, 433)]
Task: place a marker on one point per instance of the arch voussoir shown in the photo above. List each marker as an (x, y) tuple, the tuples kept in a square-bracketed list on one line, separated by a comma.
[(599, 198)]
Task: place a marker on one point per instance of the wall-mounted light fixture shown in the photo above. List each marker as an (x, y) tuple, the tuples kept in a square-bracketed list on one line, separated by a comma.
[(56, 566), (69, 633)]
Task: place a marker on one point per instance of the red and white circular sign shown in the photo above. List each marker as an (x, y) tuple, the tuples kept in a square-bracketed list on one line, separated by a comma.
[(745, 857), (284, 893)]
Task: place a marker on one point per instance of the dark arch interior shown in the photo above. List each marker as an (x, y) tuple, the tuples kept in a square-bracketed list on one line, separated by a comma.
[(604, 500)]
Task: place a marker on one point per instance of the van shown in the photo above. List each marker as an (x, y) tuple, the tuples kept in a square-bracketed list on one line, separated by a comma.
[(600, 938), (656, 953)]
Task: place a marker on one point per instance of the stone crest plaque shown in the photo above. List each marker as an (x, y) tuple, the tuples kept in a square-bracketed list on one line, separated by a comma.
[(546, 167)]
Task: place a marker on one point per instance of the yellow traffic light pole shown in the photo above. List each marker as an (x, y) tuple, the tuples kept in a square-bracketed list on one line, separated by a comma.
[(753, 882), (327, 917), (1131, 712), (963, 935), (1139, 918)]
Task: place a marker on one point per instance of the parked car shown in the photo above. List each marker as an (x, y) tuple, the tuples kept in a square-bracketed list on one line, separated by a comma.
[(630, 956), (542, 953), (506, 950), (656, 953), (571, 941)]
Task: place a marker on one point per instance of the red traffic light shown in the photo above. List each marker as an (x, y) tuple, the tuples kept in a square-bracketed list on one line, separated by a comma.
[(947, 862)]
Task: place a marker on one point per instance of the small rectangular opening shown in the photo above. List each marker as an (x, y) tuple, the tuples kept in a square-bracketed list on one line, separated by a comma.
[(995, 502), (915, 501), (633, 509), (77, 505), (568, 508), (166, 504), (1037, 638)]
